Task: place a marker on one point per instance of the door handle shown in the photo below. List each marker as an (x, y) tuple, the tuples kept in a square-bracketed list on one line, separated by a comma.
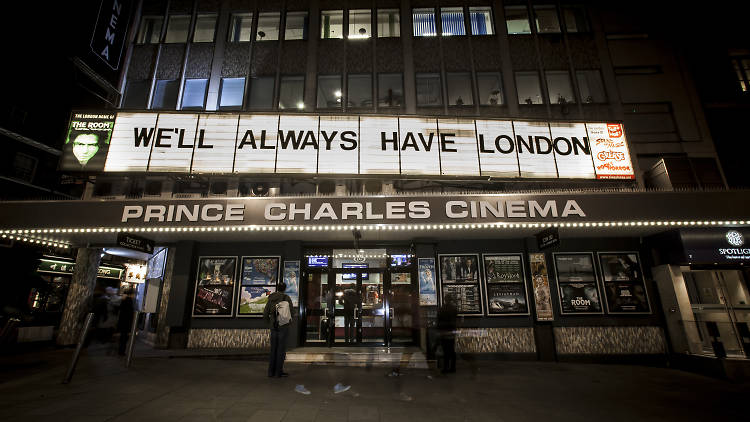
[(356, 313), (390, 313)]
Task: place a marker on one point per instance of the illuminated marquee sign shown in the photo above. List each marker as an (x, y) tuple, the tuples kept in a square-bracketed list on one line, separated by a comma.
[(222, 143)]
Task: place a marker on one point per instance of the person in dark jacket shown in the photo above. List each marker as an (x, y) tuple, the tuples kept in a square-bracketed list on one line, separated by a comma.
[(125, 320), (351, 302), (279, 334), (446, 320)]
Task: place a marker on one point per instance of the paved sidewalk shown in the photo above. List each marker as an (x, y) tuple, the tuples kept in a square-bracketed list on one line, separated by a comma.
[(158, 389)]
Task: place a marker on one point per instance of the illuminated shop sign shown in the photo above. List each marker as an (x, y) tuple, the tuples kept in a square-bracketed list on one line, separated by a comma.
[(363, 145), (716, 245)]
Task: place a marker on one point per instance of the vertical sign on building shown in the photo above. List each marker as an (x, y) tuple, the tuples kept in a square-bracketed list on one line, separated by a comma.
[(609, 147), (87, 143), (540, 282), (110, 31)]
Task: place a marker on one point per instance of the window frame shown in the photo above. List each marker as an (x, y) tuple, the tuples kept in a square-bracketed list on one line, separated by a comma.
[(305, 27), (377, 91), (528, 19), (440, 89), (349, 26), (221, 91), (552, 7), (601, 79), (539, 84), (348, 91), (250, 92), (503, 97), (558, 72), (195, 29), (317, 90), (323, 15), (377, 22), (205, 95), (252, 17), (188, 36), (463, 21), (153, 95), (140, 28), (448, 89), (492, 21), (281, 83), (257, 26), (434, 22)]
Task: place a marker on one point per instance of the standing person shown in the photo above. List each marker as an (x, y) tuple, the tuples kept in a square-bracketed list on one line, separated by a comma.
[(447, 326), (125, 320), (351, 299), (276, 318)]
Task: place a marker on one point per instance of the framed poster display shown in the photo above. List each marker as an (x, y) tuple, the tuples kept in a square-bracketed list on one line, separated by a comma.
[(504, 284), (214, 286), (540, 284), (259, 276), (291, 279), (576, 281), (400, 278), (459, 277), (624, 283), (253, 299), (427, 275)]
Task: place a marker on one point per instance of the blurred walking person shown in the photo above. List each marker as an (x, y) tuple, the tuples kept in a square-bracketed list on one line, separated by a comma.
[(447, 316), (125, 320)]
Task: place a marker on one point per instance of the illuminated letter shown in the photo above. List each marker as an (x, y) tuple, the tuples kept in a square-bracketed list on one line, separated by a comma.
[(131, 211), (449, 209), (268, 214)]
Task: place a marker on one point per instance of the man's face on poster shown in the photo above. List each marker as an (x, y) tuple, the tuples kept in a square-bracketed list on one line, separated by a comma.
[(85, 147)]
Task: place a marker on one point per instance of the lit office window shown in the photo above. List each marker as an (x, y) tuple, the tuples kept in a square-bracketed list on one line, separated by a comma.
[(424, 23), (528, 87), (205, 27), (517, 20), (546, 19), (329, 91), (490, 86), (261, 92), (742, 69), (241, 27), (194, 94), (575, 18), (136, 95), (165, 94), (360, 24), (389, 23), (268, 27), (429, 92), (332, 24), (459, 89), (359, 90), (390, 90), (296, 26), (559, 88), (177, 29), (452, 19), (231, 93), (292, 92), (590, 86), (150, 30), (481, 21)]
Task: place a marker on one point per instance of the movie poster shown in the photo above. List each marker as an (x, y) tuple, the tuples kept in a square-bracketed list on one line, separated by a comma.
[(580, 298), (540, 283), (575, 268), (506, 298), (253, 299), (620, 266), (467, 298), (505, 268), (624, 283), (87, 142), (626, 298), (291, 279), (214, 287), (260, 270), (400, 278), (459, 268), (427, 291)]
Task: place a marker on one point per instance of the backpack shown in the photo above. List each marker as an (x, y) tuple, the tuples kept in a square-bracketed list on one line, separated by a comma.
[(283, 313)]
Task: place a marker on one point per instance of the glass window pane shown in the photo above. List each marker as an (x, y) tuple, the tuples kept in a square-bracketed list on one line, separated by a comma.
[(165, 95), (428, 89), (529, 90), (136, 95), (205, 26), (591, 86), (575, 18), (481, 21), (559, 87), (332, 24), (360, 24), (389, 23), (424, 23), (546, 19), (359, 92), (452, 19), (240, 27), (194, 93), (459, 89), (177, 29), (517, 20), (150, 30), (232, 91), (390, 90), (261, 92), (268, 27), (291, 92), (490, 87), (296, 26), (329, 91)]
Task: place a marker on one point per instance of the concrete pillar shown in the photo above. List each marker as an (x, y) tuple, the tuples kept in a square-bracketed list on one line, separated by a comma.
[(77, 305), (162, 329)]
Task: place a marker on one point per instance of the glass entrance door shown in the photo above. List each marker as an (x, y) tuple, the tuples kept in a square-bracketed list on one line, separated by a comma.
[(359, 307)]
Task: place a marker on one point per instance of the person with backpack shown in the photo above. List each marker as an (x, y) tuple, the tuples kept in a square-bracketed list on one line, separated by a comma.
[(278, 315)]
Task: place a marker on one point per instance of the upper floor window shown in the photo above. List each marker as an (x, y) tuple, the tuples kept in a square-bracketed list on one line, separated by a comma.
[(429, 91), (268, 27), (546, 19), (150, 30), (261, 92), (241, 27), (389, 23), (459, 89), (231, 93), (390, 90), (177, 29), (205, 26), (590, 86), (529, 90), (517, 20), (292, 92), (359, 90), (424, 23), (490, 87), (559, 87), (194, 94), (742, 69), (452, 19), (329, 91), (575, 18), (332, 24), (360, 24), (296, 26), (136, 94), (165, 94), (481, 21)]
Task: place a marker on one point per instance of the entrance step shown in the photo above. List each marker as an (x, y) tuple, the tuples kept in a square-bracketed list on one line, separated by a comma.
[(402, 357)]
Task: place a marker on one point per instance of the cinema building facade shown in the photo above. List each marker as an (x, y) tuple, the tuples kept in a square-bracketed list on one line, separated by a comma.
[(378, 157)]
